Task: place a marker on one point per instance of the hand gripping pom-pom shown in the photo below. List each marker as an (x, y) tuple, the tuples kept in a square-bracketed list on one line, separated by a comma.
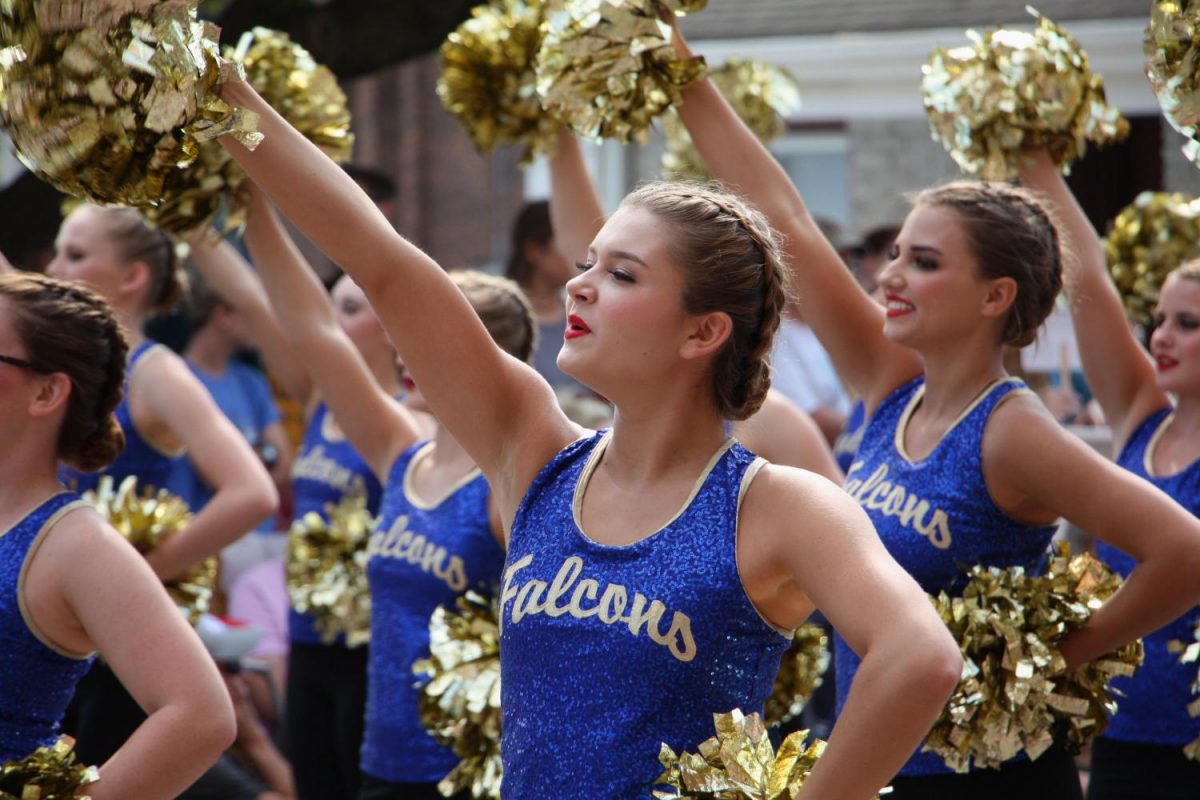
[(762, 94), (460, 697), (488, 81), (1010, 89), (1172, 45), (1015, 688), (105, 100), (739, 763), (327, 570), (607, 67), (49, 773), (147, 519), (1148, 239), (1189, 653), (801, 671)]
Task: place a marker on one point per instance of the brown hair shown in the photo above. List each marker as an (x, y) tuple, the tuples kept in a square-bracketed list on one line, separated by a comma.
[(532, 225), (503, 308), (137, 240), (731, 263), (1012, 235), (69, 329), (1189, 269)]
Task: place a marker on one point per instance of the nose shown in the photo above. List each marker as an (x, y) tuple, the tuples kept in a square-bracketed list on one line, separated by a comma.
[(889, 275), (1161, 336), (580, 288)]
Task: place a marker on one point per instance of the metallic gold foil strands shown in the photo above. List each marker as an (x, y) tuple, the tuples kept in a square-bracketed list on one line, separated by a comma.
[(762, 94), (1015, 687), (1189, 653), (460, 700), (327, 570), (109, 109), (1010, 88), (1170, 45), (801, 671), (48, 773), (488, 81), (146, 520), (739, 763), (607, 67), (1148, 239)]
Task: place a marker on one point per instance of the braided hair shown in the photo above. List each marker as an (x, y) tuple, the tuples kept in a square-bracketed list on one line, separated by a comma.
[(1012, 235), (732, 264), (69, 329)]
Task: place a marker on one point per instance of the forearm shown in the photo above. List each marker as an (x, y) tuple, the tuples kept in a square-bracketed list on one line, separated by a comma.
[(898, 691), (238, 505), (268, 763), (575, 211)]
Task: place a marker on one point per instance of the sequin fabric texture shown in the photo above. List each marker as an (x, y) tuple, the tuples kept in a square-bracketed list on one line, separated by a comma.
[(607, 652), (1154, 707), (935, 516), (422, 556), (139, 457), (324, 472), (38, 682)]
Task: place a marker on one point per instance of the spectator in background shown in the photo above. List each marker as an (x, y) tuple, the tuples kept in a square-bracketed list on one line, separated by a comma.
[(239, 390), (873, 254)]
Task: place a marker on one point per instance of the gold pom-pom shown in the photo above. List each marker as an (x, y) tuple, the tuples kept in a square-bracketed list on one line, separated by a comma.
[(762, 95), (1172, 45), (1010, 89), (327, 570), (488, 80), (1148, 239), (105, 100), (739, 763), (1189, 653), (146, 520), (460, 700), (607, 67), (1015, 687), (801, 671), (49, 773)]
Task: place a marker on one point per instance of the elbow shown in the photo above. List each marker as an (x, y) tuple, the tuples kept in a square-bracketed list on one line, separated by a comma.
[(935, 665), (221, 731)]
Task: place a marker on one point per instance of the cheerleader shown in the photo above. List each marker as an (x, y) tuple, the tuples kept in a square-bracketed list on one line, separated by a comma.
[(69, 585), (438, 533), (959, 464), (164, 412), (654, 571), (1140, 754)]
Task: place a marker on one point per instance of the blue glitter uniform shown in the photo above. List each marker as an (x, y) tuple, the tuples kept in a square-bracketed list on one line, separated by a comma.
[(151, 466), (607, 652), (37, 679), (851, 436), (935, 516), (1154, 709), (422, 556), (327, 469)]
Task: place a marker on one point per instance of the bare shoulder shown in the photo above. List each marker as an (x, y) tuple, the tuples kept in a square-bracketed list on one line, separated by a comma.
[(782, 503), (1019, 423)]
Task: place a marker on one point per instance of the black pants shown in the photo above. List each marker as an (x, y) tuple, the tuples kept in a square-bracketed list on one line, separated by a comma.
[(1052, 776), (375, 789), (102, 715), (1132, 771), (323, 726)]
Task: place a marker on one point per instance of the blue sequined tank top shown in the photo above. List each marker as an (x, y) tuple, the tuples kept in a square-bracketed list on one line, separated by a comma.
[(151, 466), (849, 439), (935, 516), (1154, 708), (422, 555), (326, 470), (607, 652), (37, 679)]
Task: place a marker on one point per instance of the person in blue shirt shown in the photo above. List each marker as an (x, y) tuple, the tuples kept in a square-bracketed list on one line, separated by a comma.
[(959, 463), (655, 571), (70, 586), (1152, 403)]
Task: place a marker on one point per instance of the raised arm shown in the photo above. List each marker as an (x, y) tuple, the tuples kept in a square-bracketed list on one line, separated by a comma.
[(512, 428), (575, 211), (87, 589), (845, 319), (1118, 370), (234, 281), (376, 425), (166, 392)]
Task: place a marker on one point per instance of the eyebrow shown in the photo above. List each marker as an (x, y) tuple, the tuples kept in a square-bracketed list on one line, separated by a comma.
[(624, 255), (924, 248)]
